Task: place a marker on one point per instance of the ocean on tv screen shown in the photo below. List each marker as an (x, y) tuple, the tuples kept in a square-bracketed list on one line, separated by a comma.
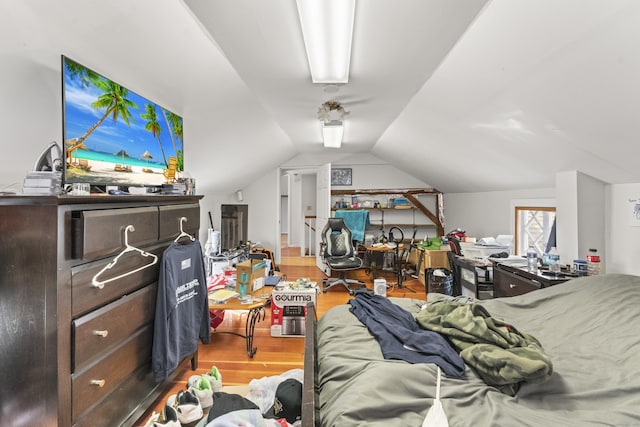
[(113, 136)]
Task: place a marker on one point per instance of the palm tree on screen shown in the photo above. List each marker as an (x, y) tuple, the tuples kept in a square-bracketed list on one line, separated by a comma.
[(113, 100), (174, 124), (153, 126)]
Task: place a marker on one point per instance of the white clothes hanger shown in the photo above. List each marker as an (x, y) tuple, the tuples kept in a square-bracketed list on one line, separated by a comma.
[(96, 282), (182, 232)]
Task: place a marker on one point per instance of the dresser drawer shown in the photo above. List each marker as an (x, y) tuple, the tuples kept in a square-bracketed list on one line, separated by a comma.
[(125, 404), (97, 332), (507, 284), (98, 233), (170, 220), (95, 383), (86, 297)]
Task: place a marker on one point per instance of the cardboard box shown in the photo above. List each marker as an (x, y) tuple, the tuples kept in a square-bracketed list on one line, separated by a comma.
[(250, 274), (289, 310)]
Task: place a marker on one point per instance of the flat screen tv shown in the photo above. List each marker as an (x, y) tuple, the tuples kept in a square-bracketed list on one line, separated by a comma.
[(115, 137)]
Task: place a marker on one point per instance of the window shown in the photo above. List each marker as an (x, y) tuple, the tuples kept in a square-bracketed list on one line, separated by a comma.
[(533, 225)]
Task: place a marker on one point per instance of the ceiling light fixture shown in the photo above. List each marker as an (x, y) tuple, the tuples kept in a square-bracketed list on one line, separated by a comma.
[(332, 134), (331, 114), (327, 29)]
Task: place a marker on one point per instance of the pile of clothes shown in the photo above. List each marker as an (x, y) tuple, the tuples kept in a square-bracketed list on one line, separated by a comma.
[(270, 402)]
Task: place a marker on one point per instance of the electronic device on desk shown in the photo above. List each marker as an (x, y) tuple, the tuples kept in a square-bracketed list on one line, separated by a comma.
[(46, 177)]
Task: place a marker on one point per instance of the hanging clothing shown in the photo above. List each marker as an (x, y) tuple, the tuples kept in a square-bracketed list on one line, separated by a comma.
[(182, 308), (356, 221)]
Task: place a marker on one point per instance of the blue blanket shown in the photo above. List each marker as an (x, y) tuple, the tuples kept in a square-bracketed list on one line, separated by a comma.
[(356, 221)]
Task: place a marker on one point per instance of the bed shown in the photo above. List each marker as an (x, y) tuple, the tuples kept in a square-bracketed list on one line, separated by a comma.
[(589, 328)]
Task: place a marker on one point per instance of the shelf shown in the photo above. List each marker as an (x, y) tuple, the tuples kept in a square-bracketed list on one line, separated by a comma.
[(375, 224), (412, 195), (375, 209), (386, 191)]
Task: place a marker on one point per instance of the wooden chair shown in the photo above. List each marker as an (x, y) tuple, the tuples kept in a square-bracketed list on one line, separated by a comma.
[(84, 165), (172, 168)]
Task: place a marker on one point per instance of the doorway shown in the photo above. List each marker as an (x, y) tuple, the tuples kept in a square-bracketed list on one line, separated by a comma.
[(297, 209), (234, 225)]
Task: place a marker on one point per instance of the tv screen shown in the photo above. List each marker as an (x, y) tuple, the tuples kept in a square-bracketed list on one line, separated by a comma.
[(115, 137)]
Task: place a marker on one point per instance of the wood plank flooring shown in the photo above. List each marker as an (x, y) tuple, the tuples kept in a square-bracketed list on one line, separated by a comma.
[(275, 355)]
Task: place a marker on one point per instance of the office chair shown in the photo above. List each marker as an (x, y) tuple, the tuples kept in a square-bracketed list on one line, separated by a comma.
[(454, 246), (455, 269), (339, 253)]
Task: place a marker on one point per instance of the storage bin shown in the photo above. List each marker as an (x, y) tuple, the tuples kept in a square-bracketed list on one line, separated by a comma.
[(439, 280)]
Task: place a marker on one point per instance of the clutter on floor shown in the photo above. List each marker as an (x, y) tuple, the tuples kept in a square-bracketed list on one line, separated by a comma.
[(274, 401)]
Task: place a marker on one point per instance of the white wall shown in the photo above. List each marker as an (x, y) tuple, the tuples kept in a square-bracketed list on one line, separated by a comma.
[(295, 210), (265, 193), (580, 215), (488, 213), (263, 198), (380, 176), (30, 112), (622, 238)]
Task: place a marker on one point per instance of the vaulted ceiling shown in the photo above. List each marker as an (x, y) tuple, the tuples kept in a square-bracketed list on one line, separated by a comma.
[(466, 95)]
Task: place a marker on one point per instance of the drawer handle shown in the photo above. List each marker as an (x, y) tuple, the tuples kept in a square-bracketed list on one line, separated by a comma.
[(99, 383), (102, 334), (512, 286)]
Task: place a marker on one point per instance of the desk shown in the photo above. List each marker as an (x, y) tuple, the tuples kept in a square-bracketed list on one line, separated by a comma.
[(511, 281), (256, 314), (381, 258), (387, 258), (428, 258), (475, 277)]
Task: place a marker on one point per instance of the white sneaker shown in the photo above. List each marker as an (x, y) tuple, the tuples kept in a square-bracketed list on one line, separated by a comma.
[(215, 379), (187, 407), (201, 387), (169, 418)]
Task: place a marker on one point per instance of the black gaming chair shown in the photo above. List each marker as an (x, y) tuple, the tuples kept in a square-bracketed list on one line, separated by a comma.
[(339, 253)]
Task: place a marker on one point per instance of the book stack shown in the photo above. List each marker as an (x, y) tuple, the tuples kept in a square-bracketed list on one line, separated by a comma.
[(45, 183)]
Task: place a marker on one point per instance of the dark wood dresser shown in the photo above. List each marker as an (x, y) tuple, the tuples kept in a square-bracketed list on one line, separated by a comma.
[(76, 336), (509, 281)]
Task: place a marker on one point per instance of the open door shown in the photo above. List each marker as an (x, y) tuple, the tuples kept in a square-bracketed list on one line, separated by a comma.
[(323, 209)]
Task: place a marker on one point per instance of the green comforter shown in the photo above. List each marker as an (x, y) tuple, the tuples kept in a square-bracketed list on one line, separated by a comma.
[(589, 328)]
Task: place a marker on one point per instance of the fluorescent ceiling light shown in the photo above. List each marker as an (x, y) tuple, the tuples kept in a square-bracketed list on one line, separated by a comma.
[(332, 134), (327, 29)]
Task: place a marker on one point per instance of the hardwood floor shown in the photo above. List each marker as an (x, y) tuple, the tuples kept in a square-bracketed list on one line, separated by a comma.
[(275, 355)]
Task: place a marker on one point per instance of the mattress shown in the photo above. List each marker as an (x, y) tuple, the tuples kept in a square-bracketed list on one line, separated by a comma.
[(589, 327)]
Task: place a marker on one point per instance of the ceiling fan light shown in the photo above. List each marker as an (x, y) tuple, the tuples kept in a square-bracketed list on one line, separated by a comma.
[(327, 29), (332, 134)]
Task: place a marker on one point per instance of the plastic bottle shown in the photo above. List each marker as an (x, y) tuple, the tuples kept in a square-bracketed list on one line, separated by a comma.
[(532, 260), (593, 262), (554, 261)]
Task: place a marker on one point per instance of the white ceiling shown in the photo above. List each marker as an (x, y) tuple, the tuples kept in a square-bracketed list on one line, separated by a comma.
[(466, 95)]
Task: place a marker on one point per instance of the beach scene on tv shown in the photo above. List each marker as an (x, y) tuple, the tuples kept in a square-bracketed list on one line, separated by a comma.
[(114, 136)]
